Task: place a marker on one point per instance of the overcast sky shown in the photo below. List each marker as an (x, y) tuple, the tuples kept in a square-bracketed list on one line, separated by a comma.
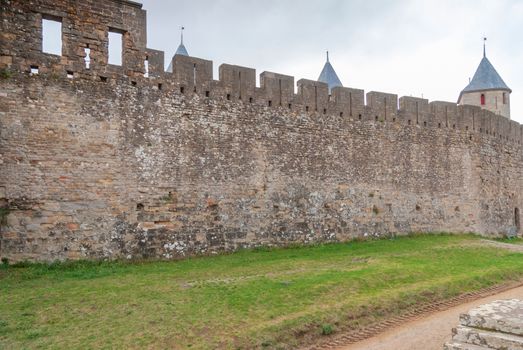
[(407, 47)]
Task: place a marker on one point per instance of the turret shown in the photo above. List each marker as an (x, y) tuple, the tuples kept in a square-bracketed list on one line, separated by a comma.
[(487, 90), (182, 51), (329, 76)]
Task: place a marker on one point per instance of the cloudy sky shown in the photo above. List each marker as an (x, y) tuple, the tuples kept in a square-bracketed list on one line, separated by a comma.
[(408, 47)]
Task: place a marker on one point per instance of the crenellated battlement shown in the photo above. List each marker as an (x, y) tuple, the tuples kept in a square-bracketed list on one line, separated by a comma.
[(87, 24)]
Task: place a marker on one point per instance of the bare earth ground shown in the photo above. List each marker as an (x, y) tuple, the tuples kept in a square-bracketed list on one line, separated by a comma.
[(431, 332)]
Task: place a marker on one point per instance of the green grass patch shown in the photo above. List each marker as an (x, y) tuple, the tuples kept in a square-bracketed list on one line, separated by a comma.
[(266, 298), (512, 240)]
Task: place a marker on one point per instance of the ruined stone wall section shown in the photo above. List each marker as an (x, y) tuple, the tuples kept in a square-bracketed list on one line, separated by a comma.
[(87, 23)]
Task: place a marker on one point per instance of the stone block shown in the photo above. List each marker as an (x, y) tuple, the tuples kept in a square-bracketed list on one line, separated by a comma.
[(493, 340), (462, 346), (501, 315)]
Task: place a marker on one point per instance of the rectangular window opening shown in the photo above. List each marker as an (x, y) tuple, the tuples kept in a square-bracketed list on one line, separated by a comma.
[(146, 67), (34, 70), (70, 74), (270, 103), (228, 97), (52, 35), (87, 58), (160, 86), (115, 47), (103, 79), (207, 93), (182, 89)]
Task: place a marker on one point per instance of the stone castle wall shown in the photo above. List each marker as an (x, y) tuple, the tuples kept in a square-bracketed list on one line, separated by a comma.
[(108, 163)]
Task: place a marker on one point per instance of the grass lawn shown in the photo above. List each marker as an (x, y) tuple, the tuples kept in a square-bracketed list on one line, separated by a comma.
[(514, 240), (251, 299)]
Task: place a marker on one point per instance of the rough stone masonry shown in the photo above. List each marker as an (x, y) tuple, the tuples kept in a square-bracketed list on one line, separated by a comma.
[(109, 161), (497, 325)]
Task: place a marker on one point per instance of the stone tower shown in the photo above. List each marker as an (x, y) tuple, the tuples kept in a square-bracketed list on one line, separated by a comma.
[(329, 76), (487, 90)]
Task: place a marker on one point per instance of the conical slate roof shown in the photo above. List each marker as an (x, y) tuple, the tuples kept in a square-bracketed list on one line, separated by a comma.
[(181, 50), (329, 76), (486, 78)]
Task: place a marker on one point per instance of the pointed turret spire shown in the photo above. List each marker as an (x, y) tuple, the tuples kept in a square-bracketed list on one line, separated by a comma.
[(487, 89), (486, 78), (181, 49), (329, 76)]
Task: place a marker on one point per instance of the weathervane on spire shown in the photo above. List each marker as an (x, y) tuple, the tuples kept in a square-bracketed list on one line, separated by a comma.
[(327, 55), (484, 44), (181, 34)]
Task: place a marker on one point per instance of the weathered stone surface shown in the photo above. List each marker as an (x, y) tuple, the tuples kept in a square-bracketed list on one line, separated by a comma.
[(490, 339), (463, 346), (502, 315), (497, 326), (104, 162)]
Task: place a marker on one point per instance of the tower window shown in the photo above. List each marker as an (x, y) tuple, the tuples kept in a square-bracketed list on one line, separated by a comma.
[(115, 47), (504, 98), (52, 35), (482, 99)]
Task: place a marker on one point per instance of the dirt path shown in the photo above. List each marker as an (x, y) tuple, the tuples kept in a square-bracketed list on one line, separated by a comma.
[(508, 246), (428, 333)]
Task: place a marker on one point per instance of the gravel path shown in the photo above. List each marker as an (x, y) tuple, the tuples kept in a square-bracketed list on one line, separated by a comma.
[(428, 333)]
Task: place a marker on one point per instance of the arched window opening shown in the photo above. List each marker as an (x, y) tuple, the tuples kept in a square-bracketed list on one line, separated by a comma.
[(482, 99)]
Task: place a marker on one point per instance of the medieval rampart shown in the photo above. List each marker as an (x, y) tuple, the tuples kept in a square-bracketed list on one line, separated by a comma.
[(124, 161)]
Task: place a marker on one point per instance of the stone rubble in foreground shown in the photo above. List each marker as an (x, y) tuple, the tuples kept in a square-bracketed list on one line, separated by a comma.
[(497, 325)]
